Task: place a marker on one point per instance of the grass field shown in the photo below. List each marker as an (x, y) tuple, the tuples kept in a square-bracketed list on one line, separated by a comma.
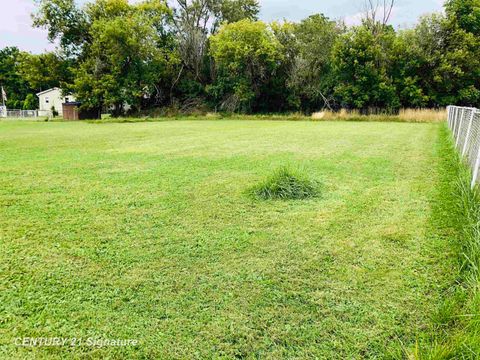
[(145, 231)]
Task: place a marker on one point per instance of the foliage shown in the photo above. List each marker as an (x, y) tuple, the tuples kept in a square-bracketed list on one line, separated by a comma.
[(246, 56), (407, 64), (153, 54), (310, 77), (124, 62), (362, 68), (22, 75), (194, 21), (30, 102), (466, 14), (124, 53), (65, 22), (229, 11), (44, 71), (14, 85), (439, 61)]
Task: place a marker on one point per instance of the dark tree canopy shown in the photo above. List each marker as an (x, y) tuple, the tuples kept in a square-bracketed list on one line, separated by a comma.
[(216, 55)]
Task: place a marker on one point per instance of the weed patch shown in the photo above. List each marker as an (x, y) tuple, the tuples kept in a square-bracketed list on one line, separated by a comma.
[(286, 184), (455, 332)]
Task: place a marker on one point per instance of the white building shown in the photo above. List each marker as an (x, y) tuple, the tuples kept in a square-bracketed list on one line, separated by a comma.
[(52, 98)]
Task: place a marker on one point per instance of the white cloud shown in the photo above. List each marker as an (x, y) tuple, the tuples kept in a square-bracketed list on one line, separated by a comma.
[(16, 27), (355, 19)]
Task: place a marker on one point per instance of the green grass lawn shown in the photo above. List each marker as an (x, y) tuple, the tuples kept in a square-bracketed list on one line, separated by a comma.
[(145, 231)]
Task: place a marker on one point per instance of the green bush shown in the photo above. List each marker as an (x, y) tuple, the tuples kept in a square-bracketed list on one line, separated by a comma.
[(54, 112)]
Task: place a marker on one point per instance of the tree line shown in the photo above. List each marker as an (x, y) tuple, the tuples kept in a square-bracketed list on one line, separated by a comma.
[(217, 55)]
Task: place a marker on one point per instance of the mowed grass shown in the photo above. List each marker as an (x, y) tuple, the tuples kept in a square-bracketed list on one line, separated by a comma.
[(145, 231)]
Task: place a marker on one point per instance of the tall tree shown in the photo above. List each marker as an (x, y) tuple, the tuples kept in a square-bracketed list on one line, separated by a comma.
[(460, 67), (65, 22), (362, 63), (465, 13), (377, 13), (10, 79), (311, 78), (124, 52), (44, 71), (126, 59), (194, 21), (246, 55)]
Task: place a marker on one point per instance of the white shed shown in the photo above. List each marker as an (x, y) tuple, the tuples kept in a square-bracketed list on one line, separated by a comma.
[(52, 98)]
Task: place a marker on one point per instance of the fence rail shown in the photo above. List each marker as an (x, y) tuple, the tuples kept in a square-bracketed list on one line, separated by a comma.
[(465, 125), (18, 114), (23, 114)]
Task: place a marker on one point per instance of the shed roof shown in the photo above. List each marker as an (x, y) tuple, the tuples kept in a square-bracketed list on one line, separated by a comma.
[(47, 91)]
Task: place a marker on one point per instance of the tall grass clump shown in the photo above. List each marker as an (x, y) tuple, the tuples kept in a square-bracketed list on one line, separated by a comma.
[(464, 340), (456, 333), (404, 115), (470, 208), (286, 184), (422, 115)]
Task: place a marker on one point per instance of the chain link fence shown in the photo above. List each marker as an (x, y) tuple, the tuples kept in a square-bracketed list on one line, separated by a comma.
[(18, 114), (23, 114), (465, 125)]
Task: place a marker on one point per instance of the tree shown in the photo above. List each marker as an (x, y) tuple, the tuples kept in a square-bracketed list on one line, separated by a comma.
[(408, 62), (14, 85), (362, 64), (44, 71), (460, 68), (311, 78), (465, 13), (246, 55), (377, 13), (124, 53), (65, 22), (441, 60), (30, 103), (215, 51), (191, 24), (22, 75), (126, 59), (194, 21), (229, 11)]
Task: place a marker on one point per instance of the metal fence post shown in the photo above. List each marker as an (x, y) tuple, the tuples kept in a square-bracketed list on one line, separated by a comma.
[(454, 117), (459, 127), (457, 120), (451, 115), (467, 135)]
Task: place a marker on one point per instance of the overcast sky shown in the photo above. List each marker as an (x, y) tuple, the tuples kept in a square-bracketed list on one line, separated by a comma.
[(16, 25)]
